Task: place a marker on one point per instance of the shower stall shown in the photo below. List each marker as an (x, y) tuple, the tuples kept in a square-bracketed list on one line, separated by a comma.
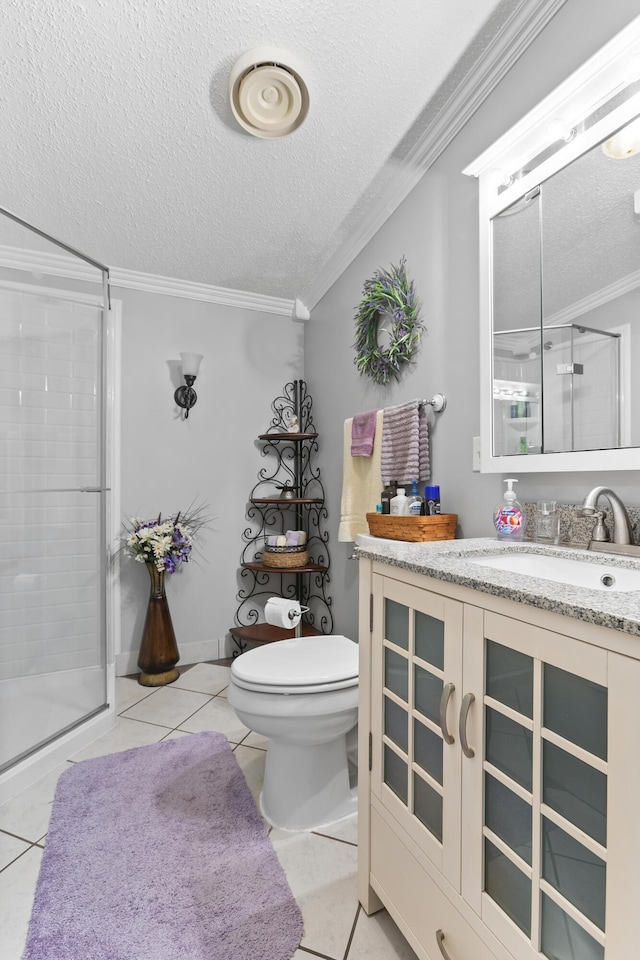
[(556, 389), (56, 509)]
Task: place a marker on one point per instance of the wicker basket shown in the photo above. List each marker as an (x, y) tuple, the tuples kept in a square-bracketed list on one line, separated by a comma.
[(413, 529), (283, 558)]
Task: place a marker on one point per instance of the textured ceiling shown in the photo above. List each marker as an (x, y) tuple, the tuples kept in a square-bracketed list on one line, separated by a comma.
[(574, 247), (117, 135)]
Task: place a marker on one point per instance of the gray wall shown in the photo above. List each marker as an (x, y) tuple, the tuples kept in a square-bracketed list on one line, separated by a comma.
[(214, 456), (437, 229)]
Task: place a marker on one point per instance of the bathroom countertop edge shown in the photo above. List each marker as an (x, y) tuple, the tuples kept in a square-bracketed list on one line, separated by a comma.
[(448, 560)]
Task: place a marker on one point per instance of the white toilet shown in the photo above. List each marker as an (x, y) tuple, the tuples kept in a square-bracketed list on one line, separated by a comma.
[(303, 695)]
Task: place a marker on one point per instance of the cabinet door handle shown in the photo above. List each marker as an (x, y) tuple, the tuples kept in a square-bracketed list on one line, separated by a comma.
[(467, 700), (440, 939), (447, 690)]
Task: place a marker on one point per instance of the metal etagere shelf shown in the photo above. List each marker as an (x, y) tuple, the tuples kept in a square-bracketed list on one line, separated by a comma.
[(287, 496)]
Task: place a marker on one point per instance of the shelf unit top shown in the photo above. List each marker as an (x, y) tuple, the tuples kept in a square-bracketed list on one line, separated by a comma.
[(285, 501), (267, 633), (304, 568), (287, 436)]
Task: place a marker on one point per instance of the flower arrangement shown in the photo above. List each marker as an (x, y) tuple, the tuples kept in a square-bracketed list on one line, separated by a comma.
[(165, 543), (388, 293)]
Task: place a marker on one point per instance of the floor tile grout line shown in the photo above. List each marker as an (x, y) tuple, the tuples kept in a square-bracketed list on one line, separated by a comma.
[(327, 836), (247, 746), (143, 697), (185, 718), (212, 696), (243, 744), (314, 953), (16, 836), (149, 723), (21, 854), (201, 707), (353, 930)]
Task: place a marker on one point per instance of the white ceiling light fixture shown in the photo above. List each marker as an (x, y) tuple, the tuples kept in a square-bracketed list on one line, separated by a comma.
[(269, 97), (625, 143)]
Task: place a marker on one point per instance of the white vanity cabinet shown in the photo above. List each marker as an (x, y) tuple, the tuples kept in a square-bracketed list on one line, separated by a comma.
[(499, 817)]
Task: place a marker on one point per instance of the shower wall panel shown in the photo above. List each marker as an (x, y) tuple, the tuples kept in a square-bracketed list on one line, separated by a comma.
[(51, 578)]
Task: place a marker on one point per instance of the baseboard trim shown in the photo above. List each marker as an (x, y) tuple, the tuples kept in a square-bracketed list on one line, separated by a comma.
[(200, 652)]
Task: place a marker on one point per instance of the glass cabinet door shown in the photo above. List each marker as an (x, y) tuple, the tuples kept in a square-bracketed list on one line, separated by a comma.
[(543, 782), (416, 678)]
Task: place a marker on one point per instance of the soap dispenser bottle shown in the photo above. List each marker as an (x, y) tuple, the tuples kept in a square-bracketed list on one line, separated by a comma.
[(509, 518), (415, 503)]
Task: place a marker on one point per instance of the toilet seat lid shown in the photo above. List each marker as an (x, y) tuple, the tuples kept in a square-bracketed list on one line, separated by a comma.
[(299, 662)]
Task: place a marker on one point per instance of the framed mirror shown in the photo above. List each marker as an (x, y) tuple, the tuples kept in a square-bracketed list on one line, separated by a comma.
[(560, 249)]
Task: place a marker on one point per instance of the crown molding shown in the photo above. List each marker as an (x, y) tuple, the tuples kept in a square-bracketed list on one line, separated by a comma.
[(518, 32), (582, 307), (53, 264)]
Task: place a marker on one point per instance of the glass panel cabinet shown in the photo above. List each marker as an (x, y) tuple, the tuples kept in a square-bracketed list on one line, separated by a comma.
[(418, 665), (544, 782), (502, 773)]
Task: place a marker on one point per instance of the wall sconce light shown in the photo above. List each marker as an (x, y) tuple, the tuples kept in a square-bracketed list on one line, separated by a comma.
[(185, 396)]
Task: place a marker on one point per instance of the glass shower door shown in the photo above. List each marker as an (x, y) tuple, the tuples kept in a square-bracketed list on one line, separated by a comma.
[(581, 388), (52, 514)]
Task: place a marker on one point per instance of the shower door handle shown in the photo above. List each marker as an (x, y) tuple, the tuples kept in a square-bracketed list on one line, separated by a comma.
[(63, 490)]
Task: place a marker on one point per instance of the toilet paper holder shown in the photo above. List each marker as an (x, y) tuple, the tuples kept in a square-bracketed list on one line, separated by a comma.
[(298, 626), (292, 612)]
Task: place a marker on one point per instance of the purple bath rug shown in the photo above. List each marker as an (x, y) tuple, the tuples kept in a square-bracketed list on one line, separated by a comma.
[(159, 853)]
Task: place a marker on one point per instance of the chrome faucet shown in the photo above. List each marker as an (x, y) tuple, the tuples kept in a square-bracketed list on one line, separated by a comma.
[(622, 531)]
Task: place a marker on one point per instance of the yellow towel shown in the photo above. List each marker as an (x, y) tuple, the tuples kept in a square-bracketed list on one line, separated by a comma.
[(361, 484)]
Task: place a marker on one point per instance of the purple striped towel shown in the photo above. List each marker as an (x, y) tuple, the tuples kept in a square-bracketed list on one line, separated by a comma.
[(405, 443), (363, 432)]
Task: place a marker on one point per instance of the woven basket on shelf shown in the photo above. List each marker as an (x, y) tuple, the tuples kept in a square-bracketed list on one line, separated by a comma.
[(413, 529), (285, 557)]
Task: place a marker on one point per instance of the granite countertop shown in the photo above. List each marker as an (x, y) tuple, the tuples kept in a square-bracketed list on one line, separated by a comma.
[(449, 560)]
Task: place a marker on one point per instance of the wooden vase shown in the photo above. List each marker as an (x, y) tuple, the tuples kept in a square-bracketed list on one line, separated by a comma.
[(158, 648)]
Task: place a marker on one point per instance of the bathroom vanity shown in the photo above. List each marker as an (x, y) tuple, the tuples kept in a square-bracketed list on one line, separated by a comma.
[(499, 713)]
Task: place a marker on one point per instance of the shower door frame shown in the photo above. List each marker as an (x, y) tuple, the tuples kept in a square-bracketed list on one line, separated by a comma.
[(57, 749)]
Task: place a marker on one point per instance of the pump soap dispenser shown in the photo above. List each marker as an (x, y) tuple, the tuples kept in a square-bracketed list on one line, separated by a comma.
[(509, 518)]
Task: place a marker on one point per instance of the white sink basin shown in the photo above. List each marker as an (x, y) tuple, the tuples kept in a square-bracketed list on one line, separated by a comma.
[(577, 573)]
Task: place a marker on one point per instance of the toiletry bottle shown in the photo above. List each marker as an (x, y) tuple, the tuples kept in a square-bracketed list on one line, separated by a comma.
[(399, 504), (387, 495), (432, 501), (509, 518), (415, 503)]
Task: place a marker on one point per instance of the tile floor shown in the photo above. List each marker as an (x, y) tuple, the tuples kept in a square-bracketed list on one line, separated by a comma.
[(320, 866)]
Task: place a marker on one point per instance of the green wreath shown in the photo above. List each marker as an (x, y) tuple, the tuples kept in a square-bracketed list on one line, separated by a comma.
[(388, 293)]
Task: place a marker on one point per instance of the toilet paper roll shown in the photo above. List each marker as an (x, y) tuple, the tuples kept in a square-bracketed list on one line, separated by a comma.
[(282, 613)]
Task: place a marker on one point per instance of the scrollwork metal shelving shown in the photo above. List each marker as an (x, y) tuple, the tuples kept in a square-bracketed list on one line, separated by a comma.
[(288, 495)]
